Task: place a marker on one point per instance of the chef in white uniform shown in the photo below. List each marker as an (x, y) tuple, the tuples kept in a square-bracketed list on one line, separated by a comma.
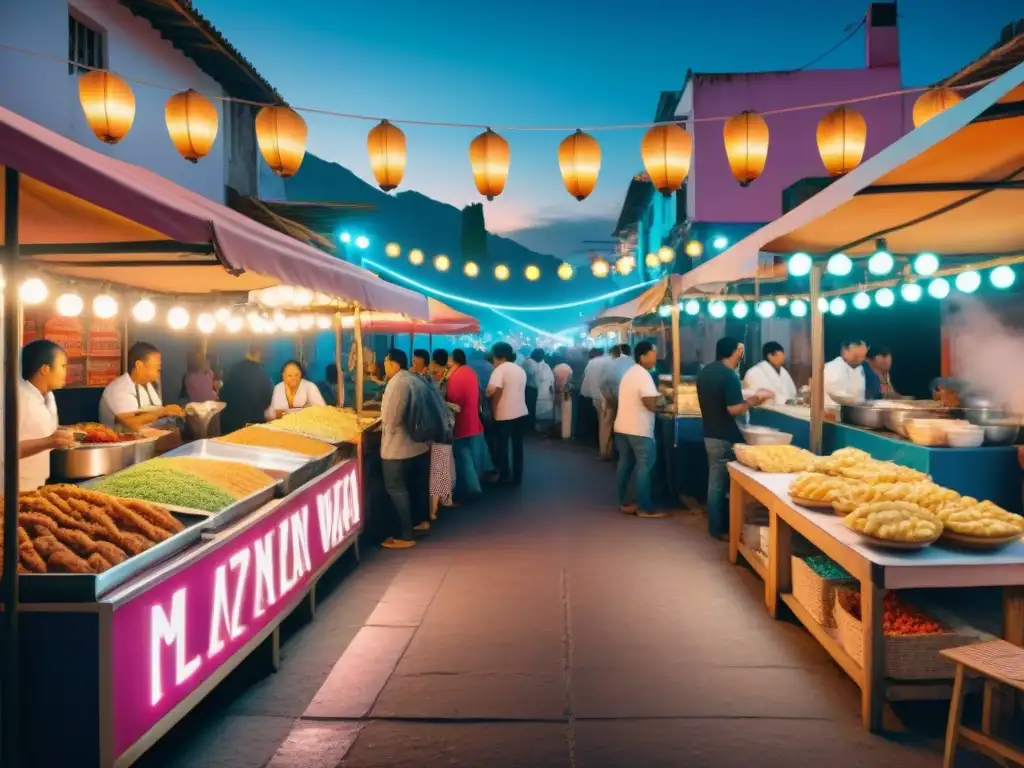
[(844, 376), (771, 376), (44, 367), (132, 399)]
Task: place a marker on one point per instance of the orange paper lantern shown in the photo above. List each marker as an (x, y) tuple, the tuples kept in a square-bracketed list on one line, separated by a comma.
[(842, 136), (930, 103), (579, 158), (281, 135), (108, 104), (489, 156), (746, 145), (192, 124), (667, 151), (386, 145)]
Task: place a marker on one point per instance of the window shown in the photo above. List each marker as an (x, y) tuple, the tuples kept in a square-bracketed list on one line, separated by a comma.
[(86, 47)]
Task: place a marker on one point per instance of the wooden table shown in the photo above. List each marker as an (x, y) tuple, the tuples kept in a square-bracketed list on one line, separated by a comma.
[(876, 569)]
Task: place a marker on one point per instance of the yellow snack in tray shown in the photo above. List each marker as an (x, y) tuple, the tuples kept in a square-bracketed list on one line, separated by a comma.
[(839, 460), (895, 521), (924, 494), (779, 458), (816, 487), (237, 479), (984, 520), (873, 471), (272, 438), (322, 421)]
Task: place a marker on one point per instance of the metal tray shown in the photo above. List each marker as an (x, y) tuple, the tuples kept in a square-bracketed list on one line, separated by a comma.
[(291, 470), (310, 435), (89, 587), (82, 461)]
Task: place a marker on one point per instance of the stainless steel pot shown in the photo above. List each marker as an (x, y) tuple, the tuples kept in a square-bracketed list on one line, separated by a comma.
[(895, 418), (863, 415), (80, 462), (1001, 433)]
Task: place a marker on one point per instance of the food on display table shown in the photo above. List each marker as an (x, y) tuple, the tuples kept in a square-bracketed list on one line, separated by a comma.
[(322, 421), (775, 458), (924, 494), (982, 520), (882, 472), (166, 484), (839, 460), (239, 480), (272, 438), (686, 399), (67, 529), (100, 433), (898, 618), (819, 489), (899, 521)]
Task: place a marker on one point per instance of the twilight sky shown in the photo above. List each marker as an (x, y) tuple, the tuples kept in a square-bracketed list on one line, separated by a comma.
[(563, 63)]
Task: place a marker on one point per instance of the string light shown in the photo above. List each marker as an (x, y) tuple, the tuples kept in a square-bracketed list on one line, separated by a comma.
[(33, 291), (144, 311), (823, 305), (926, 264), (740, 310), (968, 282), (799, 265), (442, 263), (234, 324), (222, 315), (415, 257), (798, 308), (323, 322), (392, 250), (532, 273), (861, 301), (70, 305), (720, 243), (666, 255), (694, 249), (104, 306), (470, 269), (766, 309), (206, 323), (177, 318), (501, 272), (839, 265), (938, 288), (1002, 277), (716, 309), (837, 306), (880, 263), (884, 297), (565, 271), (693, 307), (910, 292)]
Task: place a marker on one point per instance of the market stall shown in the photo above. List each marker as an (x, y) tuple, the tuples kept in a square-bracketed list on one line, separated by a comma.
[(146, 568)]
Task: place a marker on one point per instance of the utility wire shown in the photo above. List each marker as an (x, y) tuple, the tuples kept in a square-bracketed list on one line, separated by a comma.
[(852, 30)]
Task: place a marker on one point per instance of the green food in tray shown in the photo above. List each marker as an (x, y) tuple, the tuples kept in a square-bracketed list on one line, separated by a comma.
[(166, 485), (825, 567)]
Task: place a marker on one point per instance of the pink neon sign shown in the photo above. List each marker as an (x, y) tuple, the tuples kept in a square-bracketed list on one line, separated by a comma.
[(173, 636)]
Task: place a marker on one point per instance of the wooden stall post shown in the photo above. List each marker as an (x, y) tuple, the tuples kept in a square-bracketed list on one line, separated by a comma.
[(358, 341), (677, 362), (817, 358), (340, 398)]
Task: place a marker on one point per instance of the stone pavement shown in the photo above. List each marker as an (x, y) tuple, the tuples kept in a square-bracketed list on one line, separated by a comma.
[(544, 628)]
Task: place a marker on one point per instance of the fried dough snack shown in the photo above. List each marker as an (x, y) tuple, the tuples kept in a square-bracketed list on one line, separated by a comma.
[(895, 521), (98, 564), (76, 541), (66, 561), (780, 458), (27, 554), (110, 552), (815, 487), (156, 515), (983, 520), (121, 515), (844, 457), (882, 472)]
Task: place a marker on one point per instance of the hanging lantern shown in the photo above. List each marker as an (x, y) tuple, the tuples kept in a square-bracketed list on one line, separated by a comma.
[(599, 267), (579, 158), (666, 151), (666, 255), (501, 272), (489, 156), (191, 122), (932, 102), (842, 135), (532, 273), (386, 145), (651, 260), (470, 269), (694, 249), (624, 265), (281, 135), (108, 104), (565, 271), (746, 145)]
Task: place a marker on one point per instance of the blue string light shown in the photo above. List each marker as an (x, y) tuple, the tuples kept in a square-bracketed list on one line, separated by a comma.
[(473, 302)]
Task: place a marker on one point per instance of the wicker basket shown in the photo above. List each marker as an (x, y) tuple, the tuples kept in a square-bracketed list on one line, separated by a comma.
[(815, 593), (907, 657)]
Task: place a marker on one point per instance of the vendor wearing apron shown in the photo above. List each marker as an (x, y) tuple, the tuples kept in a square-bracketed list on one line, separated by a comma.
[(44, 367), (132, 399)]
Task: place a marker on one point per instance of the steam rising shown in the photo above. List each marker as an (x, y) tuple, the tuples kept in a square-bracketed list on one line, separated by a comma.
[(987, 355)]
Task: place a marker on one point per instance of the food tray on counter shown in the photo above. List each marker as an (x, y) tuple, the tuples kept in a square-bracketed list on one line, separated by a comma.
[(291, 470), (312, 436), (90, 587), (82, 461)]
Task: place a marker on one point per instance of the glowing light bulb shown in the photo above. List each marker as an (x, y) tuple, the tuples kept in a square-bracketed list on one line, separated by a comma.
[(177, 318), (766, 309), (302, 297), (823, 305), (532, 273), (345, 237), (144, 311), (910, 291), (720, 243), (442, 263), (799, 264), (666, 255), (206, 323), (415, 257), (1002, 277), (798, 308), (104, 306), (694, 249), (234, 324), (32, 291), (290, 325), (323, 322), (362, 242), (881, 263), (501, 272), (938, 288), (968, 282), (222, 315), (782, 301), (926, 264), (306, 322), (693, 307), (839, 264), (837, 306), (861, 301), (392, 250), (740, 310), (470, 269), (716, 309), (884, 297), (70, 305), (565, 271)]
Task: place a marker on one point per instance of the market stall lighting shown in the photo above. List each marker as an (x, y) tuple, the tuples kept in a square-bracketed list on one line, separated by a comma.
[(938, 288), (345, 237), (798, 308), (306, 322), (501, 272), (235, 323), (651, 260), (70, 305), (624, 265), (386, 145), (837, 306), (861, 301), (191, 121), (716, 309), (926, 264), (799, 265), (281, 135), (442, 263), (392, 250), (910, 292), (599, 267), (934, 102), (693, 307), (881, 263), (740, 310), (532, 272), (664, 310), (579, 160), (362, 242), (842, 136), (489, 157), (415, 257), (144, 311), (666, 255), (694, 249), (290, 324), (746, 145), (839, 264), (1002, 277), (206, 323), (471, 269), (222, 315), (104, 306), (565, 271), (323, 322), (720, 243), (782, 301), (968, 282), (666, 151), (177, 318), (33, 291), (766, 309), (884, 297), (108, 104), (822, 305)]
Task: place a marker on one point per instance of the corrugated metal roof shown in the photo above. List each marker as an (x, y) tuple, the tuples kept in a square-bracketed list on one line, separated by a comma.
[(999, 59)]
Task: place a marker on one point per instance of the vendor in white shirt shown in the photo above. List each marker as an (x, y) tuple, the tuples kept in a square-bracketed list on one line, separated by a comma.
[(769, 375), (844, 377), (294, 391), (132, 399), (44, 367)]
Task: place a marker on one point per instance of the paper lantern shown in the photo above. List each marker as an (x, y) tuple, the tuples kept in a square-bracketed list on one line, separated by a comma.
[(470, 269), (532, 273), (386, 145), (565, 271), (624, 265), (746, 145), (501, 272), (281, 135), (651, 260), (579, 158), (191, 122), (666, 255), (842, 136), (489, 157), (932, 102), (599, 267), (667, 151), (108, 104)]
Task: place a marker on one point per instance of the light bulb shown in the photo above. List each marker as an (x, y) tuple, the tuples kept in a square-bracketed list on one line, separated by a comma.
[(968, 282), (415, 257), (839, 264), (471, 269), (740, 310), (442, 263), (1002, 277), (234, 324), (323, 322), (926, 264), (693, 307), (501, 272), (782, 301), (664, 310), (694, 249), (362, 242), (766, 309), (104, 306), (532, 273), (392, 250), (861, 301), (910, 291), (206, 323), (881, 263), (837, 306), (799, 264), (144, 311), (720, 243), (345, 237), (222, 315), (798, 308), (716, 309), (822, 305), (306, 322), (938, 288), (884, 297), (32, 291), (302, 297), (290, 325), (666, 254), (69, 305), (177, 318)]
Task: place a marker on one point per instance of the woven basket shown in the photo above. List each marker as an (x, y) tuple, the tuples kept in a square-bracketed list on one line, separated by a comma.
[(815, 593), (907, 657)]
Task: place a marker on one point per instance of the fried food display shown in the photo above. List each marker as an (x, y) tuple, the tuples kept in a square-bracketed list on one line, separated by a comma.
[(839, 460), (322, 421), (882, 472), (812, 486), (899, 521), (67, 529), (924, 494), (980, 519), (100, 433), (273, 438), (777, 458)]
